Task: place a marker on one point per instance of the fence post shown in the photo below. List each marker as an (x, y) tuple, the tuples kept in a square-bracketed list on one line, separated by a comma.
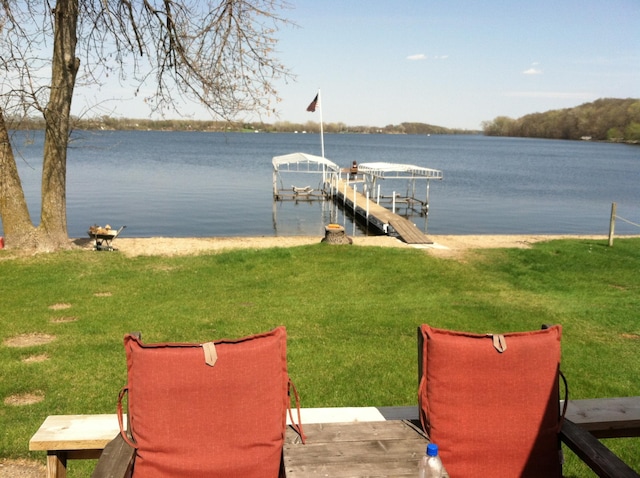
[(612, 223)]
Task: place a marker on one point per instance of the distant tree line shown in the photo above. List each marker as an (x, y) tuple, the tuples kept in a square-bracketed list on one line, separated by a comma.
[(110, 123), (402, 128), (607, 119)]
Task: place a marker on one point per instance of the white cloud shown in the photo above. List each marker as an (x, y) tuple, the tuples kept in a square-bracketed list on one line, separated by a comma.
[(532, 71), (422, 56)]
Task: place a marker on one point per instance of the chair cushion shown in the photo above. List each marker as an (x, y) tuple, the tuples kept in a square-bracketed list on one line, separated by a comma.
[(190, 419), (492, 413)]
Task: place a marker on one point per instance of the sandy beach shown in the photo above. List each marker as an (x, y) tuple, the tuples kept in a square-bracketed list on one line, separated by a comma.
[(445, 246)]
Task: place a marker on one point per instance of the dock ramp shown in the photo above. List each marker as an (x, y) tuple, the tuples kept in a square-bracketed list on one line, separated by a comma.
[(378, 216)]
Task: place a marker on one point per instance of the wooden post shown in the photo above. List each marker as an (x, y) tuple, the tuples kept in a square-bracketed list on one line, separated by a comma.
[(367, 206), (355, 198), (56, 464), (367, 222), (275, 183), (612, 223)]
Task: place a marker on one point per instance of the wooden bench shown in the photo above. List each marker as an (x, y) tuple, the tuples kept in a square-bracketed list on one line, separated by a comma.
[(68, 437), (603, 417), (73, 437), (607, 417)]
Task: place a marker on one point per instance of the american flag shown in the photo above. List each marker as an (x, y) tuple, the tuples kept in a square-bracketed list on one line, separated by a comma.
[(313, 105)]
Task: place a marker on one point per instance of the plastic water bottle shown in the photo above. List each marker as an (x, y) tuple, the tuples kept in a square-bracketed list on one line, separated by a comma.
[(430, 464)]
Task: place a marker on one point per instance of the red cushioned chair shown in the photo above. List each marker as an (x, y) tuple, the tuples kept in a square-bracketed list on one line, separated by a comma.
[(491, 403), (216, 409)]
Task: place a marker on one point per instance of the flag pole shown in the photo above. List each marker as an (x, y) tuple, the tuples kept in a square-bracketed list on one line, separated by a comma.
[(313, 106), (321, 125)]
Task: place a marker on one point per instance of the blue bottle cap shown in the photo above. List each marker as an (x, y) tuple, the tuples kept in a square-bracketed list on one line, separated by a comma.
[(432, 449)]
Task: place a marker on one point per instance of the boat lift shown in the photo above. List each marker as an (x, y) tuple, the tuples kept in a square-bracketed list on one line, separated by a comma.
[(374, 172), (295, 166), (302, 163)]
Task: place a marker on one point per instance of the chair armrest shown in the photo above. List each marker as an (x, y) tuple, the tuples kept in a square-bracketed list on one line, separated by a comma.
[(116, 460), (597, 456)]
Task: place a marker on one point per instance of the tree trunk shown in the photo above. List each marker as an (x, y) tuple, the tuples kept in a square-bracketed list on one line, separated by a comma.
[(16, 222), (53, 219)]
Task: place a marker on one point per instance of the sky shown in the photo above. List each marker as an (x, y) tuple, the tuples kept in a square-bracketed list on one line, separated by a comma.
[(452, 63)]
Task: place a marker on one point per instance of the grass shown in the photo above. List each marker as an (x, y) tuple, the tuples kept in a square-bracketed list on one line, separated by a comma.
[(351, 315)]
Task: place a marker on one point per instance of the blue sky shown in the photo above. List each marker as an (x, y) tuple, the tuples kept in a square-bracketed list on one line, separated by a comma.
[(452, 63)]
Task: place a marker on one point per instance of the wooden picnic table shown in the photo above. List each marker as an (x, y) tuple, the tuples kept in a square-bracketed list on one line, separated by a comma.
[(371, 433), (382, 449)]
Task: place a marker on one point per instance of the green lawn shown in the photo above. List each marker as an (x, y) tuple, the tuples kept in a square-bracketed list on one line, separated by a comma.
[(351, 315)]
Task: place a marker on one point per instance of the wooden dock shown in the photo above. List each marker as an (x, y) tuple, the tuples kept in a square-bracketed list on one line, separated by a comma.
[(378, 216)]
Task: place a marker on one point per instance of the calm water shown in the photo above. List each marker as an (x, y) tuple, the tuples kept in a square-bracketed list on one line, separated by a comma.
[(211, 184)]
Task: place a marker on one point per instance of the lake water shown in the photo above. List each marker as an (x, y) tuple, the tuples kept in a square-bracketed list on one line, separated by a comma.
[(192, 184)]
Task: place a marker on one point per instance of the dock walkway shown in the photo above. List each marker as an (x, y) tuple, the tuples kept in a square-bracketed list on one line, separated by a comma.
[(377, 215)]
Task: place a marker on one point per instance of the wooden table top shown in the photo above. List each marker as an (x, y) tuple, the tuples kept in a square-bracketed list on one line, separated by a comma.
[(75, 432), (380, 449)]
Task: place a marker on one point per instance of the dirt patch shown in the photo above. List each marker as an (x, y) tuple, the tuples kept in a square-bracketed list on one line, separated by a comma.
[(63, 320), (35, 358), (29, 340), (60, 306), (630, 336), (102, 294), (22, 469), (21, 399), (618, 287)]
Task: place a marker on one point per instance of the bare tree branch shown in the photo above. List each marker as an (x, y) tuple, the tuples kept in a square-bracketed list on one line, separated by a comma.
[(219, 53)]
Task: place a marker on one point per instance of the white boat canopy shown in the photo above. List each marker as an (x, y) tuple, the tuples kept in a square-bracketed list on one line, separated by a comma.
[(373, 172), (393, 170), (303, 163)]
